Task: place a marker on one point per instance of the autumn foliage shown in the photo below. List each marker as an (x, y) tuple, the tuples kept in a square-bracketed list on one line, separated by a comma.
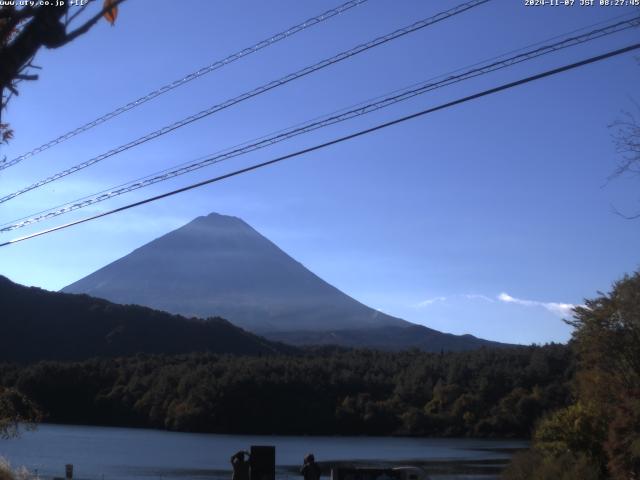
[(601, 429)]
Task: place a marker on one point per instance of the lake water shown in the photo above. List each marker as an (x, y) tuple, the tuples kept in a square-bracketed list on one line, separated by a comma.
[(137, 454)]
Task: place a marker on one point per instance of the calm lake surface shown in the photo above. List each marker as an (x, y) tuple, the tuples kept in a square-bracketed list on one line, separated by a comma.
[(136, 454)]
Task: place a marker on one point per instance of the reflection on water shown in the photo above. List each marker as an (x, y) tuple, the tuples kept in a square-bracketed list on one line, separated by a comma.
[(136, 454)]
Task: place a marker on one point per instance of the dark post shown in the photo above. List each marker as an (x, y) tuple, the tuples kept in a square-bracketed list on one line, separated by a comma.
[(68, 470), (263, 462)]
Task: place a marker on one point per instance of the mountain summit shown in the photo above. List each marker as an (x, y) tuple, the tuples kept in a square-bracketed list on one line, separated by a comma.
[(219, 266)]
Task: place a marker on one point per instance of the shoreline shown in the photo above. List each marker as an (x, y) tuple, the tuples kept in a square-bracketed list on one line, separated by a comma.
[(282, 435), (113, 453)]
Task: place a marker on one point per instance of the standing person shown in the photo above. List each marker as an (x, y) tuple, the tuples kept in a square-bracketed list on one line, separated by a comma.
[(240, 466), (310, 469)]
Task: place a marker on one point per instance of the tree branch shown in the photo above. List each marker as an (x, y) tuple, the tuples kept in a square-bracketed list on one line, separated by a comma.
[(626, 217), (46, 28), (22, 76), (91, 22), (80, 10), (21, 14)]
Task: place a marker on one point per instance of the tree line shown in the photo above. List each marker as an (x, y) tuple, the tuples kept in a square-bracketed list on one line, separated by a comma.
[(483, 393)]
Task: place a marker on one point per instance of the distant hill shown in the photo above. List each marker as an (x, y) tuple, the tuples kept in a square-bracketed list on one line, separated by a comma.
[(390, 338), (219, 266), (38, 325)]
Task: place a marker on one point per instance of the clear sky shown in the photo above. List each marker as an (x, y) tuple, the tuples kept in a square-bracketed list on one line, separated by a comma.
[(485, 218)]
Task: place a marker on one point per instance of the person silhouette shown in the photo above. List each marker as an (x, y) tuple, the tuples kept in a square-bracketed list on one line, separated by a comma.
[(310, 469), (240, 465)]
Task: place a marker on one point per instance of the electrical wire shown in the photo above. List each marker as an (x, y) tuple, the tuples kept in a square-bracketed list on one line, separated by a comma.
[(257, 91), (186, 79), (335, 141), (346, 114)]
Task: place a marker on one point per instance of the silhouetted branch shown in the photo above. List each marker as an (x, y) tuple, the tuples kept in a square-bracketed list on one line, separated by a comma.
[(626, 138), (626, 217), (92, 21), (24, 31), (78, 12), (21, 76)]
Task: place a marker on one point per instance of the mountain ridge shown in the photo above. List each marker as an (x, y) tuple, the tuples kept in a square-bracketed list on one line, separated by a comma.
[(218, 265)]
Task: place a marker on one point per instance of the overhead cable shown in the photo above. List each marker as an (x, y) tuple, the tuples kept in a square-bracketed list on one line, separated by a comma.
[(186, 79), (362, 109), (252, 93), (335, 141)]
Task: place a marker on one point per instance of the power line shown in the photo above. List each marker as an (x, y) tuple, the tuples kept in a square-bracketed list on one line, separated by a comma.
[(186, 79), (257, 91), (351, 136), (346, 114)]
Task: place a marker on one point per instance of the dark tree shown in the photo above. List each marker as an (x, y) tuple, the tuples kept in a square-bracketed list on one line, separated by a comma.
[(25, 30), (598, 433), (16, 410)]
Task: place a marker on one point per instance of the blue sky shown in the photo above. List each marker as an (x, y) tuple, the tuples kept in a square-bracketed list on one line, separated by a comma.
[(489, 218)]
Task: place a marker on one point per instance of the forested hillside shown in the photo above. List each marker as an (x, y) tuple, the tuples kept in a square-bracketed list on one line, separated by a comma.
[(499, 392), (39, 325), (597, 436)]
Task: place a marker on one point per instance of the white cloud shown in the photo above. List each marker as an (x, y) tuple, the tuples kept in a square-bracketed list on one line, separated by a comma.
[(431, 301), (559, 309), (562, 310), (477, 296), (467, 296)]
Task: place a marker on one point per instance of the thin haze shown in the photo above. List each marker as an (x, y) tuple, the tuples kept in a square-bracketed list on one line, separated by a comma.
[(492, 218)]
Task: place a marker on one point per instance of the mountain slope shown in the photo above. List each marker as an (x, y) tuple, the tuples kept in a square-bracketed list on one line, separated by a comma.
[(220, 266), (39, 325)]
